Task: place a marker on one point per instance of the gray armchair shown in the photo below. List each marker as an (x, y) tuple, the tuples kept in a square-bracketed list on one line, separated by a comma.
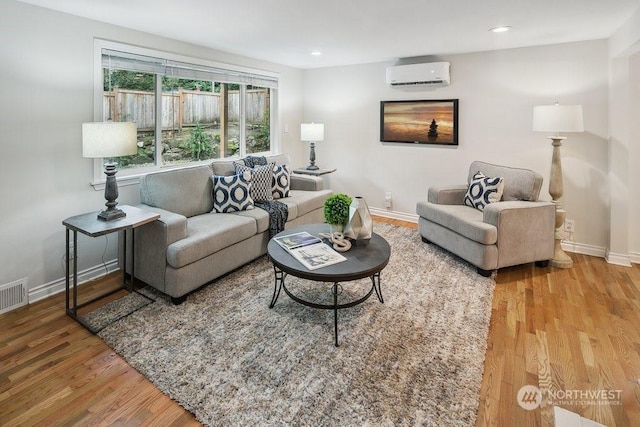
[(516, 230)]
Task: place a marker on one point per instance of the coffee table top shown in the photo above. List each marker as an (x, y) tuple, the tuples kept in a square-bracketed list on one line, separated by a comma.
[(362, 261)]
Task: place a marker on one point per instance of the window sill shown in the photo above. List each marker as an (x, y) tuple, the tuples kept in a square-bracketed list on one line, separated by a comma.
[(122, 182)]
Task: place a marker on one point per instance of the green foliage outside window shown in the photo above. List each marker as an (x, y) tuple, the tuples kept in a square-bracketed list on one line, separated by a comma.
[(200, 143)]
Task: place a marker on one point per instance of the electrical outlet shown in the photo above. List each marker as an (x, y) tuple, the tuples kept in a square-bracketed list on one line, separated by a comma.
[(387, 199), (569, 225), (72, 251)]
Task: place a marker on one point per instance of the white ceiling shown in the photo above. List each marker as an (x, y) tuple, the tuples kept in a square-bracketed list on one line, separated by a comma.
[(357, 31)]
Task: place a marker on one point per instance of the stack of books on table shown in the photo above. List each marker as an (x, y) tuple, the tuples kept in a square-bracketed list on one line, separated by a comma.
[(310, 250)]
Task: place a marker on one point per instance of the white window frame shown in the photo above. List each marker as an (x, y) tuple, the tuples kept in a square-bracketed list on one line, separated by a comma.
[(131, 176)]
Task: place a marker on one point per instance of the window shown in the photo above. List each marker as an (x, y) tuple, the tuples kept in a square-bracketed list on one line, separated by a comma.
[(187, 110)]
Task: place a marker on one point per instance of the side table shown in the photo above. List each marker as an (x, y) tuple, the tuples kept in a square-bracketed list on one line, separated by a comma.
[(89, 224), (317, 172)]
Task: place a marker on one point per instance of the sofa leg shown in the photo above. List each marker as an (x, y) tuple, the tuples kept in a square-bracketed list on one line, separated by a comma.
[(424, 239), (179, 300), (484, 273), (542, 264)]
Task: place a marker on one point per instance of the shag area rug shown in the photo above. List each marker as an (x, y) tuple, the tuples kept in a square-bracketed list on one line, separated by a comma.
[(417, 359)]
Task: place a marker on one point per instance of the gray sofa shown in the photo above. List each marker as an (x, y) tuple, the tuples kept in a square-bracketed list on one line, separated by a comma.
[(516, 230), (189, 246)]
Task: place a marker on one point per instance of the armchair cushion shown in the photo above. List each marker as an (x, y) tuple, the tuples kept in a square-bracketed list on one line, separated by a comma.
[(519, 184), (463, 220)]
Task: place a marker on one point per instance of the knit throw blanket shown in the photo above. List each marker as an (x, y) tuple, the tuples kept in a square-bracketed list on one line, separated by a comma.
[(278, 214)]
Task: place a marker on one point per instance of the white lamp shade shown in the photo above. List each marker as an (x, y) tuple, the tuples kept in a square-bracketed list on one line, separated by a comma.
[(312, 132), (558, 118), (109, 139)]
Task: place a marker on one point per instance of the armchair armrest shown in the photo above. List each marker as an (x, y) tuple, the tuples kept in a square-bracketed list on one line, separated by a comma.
[(447, 195), (306, 182), (525, 230)]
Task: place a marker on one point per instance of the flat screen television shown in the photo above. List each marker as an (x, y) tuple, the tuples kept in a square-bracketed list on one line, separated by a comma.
[(433, 121)]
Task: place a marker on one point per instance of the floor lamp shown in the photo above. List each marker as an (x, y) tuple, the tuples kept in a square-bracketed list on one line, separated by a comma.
[(312, 132), (558, 118), (106, 140)]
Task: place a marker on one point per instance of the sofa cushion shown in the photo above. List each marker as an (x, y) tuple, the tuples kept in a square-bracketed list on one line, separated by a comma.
[(260, 216), (232, 193), (184, 191), (483, 190), (280, 184), (224, 167), (462, 219), (207, 234), (302, 202), (260, 181)]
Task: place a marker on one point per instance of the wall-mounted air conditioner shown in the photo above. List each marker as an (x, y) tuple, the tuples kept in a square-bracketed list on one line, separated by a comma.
[(431, 73)]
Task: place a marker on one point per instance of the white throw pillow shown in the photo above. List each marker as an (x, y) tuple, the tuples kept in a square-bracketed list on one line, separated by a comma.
[(483, 190), (232, 193), (281, 182)]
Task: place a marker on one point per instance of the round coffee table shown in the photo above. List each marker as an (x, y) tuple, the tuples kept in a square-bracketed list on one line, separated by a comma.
[(362, 261)]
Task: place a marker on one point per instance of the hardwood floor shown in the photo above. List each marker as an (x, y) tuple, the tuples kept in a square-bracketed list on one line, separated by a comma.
[(565, 330)]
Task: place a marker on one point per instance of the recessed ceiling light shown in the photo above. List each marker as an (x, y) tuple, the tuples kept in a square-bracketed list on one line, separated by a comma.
[(316, 53), (500, 29)]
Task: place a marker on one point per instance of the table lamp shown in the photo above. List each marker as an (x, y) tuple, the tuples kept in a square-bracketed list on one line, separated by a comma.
[(108, 140), (312, 132), (558, 118)]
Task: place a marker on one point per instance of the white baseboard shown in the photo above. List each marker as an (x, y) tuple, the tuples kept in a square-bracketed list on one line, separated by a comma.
[(84, 276), (635, 257), (402, 216), (581, 248), (618, 259)]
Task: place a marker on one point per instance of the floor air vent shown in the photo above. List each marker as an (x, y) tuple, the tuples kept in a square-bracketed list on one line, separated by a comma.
[(13, 295)]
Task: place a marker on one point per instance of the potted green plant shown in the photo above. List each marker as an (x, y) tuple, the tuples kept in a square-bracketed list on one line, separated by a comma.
[(336, 210)]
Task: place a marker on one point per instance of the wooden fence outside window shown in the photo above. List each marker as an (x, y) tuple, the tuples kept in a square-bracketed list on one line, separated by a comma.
[(181, 108)]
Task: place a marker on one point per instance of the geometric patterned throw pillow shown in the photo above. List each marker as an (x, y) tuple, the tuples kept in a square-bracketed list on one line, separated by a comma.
[(483, 190), (280, 183), (261, 177), (232, 193)]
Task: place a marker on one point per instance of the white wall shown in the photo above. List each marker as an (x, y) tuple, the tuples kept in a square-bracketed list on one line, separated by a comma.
[(634, 160), (624, 157), (46, 83), (497, 92)]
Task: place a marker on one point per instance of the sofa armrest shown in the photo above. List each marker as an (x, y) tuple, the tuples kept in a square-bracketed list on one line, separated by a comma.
[(525, 230), (170, 225), (447, 195), (306, 182), (152, 240)]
